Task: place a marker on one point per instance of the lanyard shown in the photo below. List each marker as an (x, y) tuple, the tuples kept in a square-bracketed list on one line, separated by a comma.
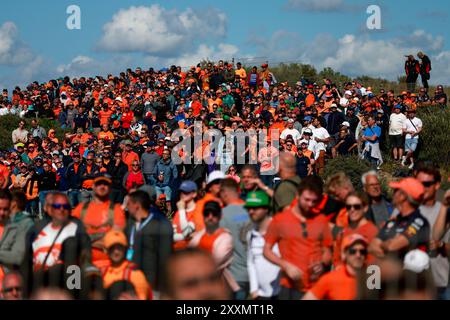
[(142, 225)]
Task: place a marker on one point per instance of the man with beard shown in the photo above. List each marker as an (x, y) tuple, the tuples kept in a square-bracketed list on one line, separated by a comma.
[(304, 239)]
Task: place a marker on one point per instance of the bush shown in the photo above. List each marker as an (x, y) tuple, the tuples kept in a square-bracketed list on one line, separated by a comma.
[(352, 166), (9, 123), (435, 137)]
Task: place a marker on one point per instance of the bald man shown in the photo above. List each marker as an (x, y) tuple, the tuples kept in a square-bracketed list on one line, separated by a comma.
[(285, 191)]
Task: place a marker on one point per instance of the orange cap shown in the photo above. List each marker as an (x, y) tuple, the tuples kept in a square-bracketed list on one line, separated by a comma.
[(115, 237), (411, 186), (348, 241)]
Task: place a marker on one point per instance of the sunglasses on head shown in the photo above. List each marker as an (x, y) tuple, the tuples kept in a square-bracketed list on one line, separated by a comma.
[(58, 206), (353, 206), (353, 251)]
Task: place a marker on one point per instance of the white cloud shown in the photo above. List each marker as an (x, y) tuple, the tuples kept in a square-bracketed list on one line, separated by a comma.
[(316, 5), (357, 55), (12, 50), (160, 32)]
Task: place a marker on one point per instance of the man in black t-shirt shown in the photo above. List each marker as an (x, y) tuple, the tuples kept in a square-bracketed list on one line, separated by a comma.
[(408, 230), (440, 97)]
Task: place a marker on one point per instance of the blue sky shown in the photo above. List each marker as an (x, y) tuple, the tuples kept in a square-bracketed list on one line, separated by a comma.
[(36, 45)]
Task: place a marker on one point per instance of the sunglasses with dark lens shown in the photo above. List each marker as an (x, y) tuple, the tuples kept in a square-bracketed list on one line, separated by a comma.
[(11, 289), (89, 159), (428, 184), (211, 213), (304, 230), (353, 206), (58, 206), (362, 252), (117, 156)]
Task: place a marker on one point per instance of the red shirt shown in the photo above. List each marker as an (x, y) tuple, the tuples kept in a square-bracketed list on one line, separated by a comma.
[(196, 108), (286, 230)]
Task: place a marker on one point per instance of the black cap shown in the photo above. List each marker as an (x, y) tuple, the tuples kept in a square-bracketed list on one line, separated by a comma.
[(212, 207)]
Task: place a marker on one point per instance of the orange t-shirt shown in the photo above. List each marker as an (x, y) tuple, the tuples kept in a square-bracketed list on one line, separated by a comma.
[(194, 216), (336, 285), (310, 99), (287, 230), (367, 230), (96, 216), (128, 272), (196, 108), (105, 116), (128, 158)]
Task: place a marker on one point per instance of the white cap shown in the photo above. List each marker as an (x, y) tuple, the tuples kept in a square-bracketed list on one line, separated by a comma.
[(348, 92), (345, 123), (119, 99), (303, 141), (416, 261), (291, 120), (215, 175)]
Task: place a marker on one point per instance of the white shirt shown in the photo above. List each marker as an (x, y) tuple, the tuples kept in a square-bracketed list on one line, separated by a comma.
[(293, 132), (41, 245), (321, 133), (439, 265), (343, 102), (264, 275), (396, 122), (408, 126)]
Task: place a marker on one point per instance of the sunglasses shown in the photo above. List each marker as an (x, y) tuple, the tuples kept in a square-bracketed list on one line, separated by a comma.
[(11, 289), (353, 206), (89, 159), (211, 213), (362, 252), (58, 206), (428, 184)]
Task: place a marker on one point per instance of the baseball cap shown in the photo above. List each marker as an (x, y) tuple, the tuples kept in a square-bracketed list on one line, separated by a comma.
[(397, 106), (348, 92), (307, 118), (333, 105), (212, 206), (115, 237), (350, 240), (303, 142), (215, 175), (20, 145), (380, 111), (416, 261), (291, 120), (411, 186), (345, 123), (188, 186), (103, 178), (257, 199), (307, 131)]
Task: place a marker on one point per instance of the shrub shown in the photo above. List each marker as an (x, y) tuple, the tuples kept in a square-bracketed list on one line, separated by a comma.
[(352, 166), (435, 137), (9, 123)]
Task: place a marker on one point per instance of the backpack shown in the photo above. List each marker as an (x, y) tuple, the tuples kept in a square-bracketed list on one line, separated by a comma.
[(110, 222), (274, 204)]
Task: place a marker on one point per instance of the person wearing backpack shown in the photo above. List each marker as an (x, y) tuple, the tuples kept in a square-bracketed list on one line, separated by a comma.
[(118, 268), (100, 215), (285, 192)]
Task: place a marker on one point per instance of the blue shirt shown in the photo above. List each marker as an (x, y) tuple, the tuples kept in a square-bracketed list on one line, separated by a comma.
[(370, 132)]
